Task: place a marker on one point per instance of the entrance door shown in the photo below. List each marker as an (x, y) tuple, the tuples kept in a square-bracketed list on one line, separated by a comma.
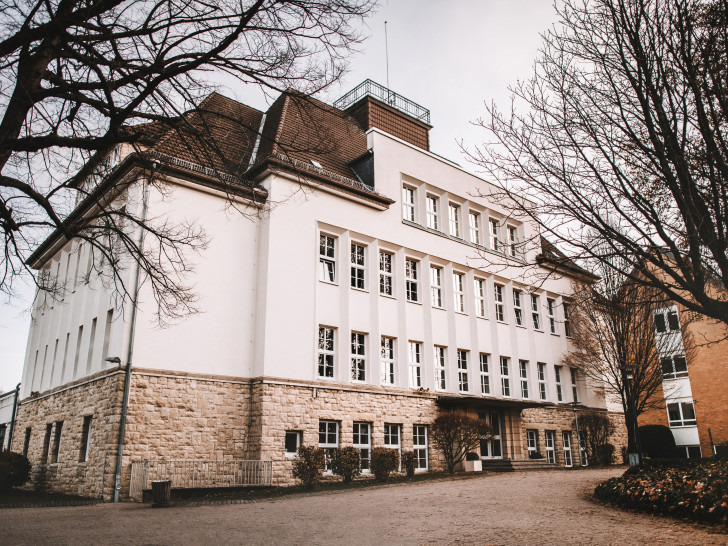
[(492, 448)]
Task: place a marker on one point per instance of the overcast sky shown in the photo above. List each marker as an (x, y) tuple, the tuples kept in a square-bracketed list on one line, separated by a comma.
[(451, 57)]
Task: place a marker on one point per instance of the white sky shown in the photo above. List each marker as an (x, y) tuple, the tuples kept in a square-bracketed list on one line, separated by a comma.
[(451, 57)]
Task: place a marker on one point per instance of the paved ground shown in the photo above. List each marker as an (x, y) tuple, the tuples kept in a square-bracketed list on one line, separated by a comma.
[(518, 508)]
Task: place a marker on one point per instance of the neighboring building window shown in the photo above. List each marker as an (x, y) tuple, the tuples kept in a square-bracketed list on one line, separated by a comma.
[(500, 313), (433, 221), (463, 370), (415, 364), (535, 312), (411, 277), (681, 414), (358, 357), (436, 285), (674, 366), (552, 316), (666, 320), (419, 443), (293, 442), (385, 273), (474, 223), (541, 380), (458, 292), (494, 235), (56, 442), (327, 258), (559, 392), (328, 439), (362, 442), (454, 215), (440, 373), (484, 374), (523, 368), (574, 389), (408, 203), (512, 241), (26, 442), (392, 438), (517, 309), (85, 439), (532, 442), (566, 437), (357, 266), (387, 357), (326, 352), (567, 323), (549, 437), (479, 292), (505, 378)]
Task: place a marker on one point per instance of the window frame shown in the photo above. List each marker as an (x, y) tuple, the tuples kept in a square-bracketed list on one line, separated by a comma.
[(325, 357), (56, 446), (327, 261), (484, 362), (412, 280), (567, 322), (682, 420), (420, 449), (505, 362), (523, 374), (536, 312), (364, 458), (500, 310), (358, 357), (436, 286), (85, 438), (550, 438), (551, 313), (463, 379), (433, 218), (493, 227), (566, 443), (512, 241), (574, 386), (440, 365), (453, 215), (518, 306), (409, 200), (559, 388), (674, 373), (389, 429), (414, 364), (327, 446), (541, 371), (358, 266), (479, 296), (386, 281), (298, 435), (387, 360), (474, 227), (458, 290)]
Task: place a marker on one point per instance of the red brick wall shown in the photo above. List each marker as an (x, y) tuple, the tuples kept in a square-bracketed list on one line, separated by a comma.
[(369, 113)]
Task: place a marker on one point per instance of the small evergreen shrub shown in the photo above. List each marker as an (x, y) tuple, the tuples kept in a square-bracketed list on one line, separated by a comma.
[(307, 466), (604, 454), (535, 455), (657, 442), (346, 462), (409, 462), (472, 456), (384, 462), (14, 470)]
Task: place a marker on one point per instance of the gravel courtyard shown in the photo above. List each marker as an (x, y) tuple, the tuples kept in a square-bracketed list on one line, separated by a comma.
[(517, 508)]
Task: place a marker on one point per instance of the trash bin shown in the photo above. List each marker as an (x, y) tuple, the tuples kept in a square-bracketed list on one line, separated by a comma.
[(161, 490)]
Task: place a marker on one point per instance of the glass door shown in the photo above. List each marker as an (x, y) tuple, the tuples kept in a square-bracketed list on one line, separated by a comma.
[(492, 448)]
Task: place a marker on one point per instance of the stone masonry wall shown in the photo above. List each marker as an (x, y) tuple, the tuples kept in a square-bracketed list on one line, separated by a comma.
[(100, 397)]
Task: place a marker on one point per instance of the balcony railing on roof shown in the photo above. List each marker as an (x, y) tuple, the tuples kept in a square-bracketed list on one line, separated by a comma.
[(387, 96)]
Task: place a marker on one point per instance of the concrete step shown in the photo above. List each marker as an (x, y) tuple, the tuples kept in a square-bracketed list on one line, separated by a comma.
[(507, 465)]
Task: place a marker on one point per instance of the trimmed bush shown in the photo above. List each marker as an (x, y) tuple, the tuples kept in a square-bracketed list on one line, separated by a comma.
[(384, 462), (409, 462), (307, 466), (14, 470), (657, 442), (535, 455), (346, 462), (604, 454)]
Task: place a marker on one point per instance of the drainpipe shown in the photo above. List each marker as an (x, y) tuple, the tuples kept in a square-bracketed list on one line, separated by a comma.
[(130, 349), (12, 419)]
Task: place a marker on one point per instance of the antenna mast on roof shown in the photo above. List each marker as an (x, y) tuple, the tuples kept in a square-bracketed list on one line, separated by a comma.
[(386, 51)]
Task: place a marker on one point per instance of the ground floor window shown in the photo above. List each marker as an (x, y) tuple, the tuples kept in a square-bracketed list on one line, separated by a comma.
[(566, 436), (582, 453), (85, 439), (549, 443), (691, 452), (491, 447), (293, 442), (419, 441), (532, 442), (328, 440), (392, 438), (362, 442), (26, 442)]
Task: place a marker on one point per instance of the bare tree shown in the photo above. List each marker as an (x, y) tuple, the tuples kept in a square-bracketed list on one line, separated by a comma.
[(456, 434), (78, 78), (621, 134)]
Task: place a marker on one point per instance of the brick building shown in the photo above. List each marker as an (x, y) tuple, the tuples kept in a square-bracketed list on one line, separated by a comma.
[(364, 290)]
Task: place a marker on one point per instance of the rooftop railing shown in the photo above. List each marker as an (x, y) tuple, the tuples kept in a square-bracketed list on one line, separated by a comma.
[(387, 96)]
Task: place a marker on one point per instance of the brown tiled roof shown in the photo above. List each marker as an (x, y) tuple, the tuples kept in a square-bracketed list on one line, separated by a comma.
[(561, 262)]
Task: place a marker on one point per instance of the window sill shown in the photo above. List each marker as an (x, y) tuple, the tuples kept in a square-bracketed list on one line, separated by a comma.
[(440, 307), (364, 290), (555, 334), (461, 313), (334, 283), (291, 455), (501, 322), (415, 302), (521, 326), (390, 296), (326, 378)]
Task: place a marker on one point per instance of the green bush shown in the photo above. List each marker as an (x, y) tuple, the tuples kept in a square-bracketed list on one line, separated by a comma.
[(346, 462), (307, 466), (657, 442), (409, 462), (604, 454), (384, 462), (14, 470)]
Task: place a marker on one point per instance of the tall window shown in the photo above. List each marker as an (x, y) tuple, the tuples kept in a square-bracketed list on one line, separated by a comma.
[(46, 444), (552, 316), (681, 414), (523, 368), (432, 212), (484, 374), (292, 442), (326, 352), (574, 390), (362, 441), (559, 392), (494, 235), (458, 290), (500, 314), (666, 320), (385, 273), (415, 363), (463, 371), (85, 439), (517, 309), (541, 380), (505, 377), (328, 439), (357, 266), (436, 285), (26, 442), (512, 241), (566, 437), (387, 358), (358, 357), (419, 443), (532, 442), (408, 203), (56, 442), (549, 437), (411, 278), (567, 323), (474, 224), (535, 312), (327, 258), (479, 295), (440, 373), (454, 216), (674, 366), (393, 437)]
